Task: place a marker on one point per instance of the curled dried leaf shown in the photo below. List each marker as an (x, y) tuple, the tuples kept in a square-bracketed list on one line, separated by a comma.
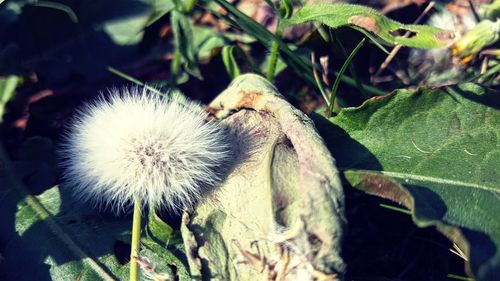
[(279, 214)]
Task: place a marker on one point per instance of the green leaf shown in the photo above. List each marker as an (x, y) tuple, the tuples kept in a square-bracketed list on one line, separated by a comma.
[(54, 237), (230, 62), (184, 42), (389, 31), (336, 83), (285, 9), (158, 229), (437, 152), (128, 30), (207, 39), (160, 8), (7, 91), (106, 33), (301, 64)]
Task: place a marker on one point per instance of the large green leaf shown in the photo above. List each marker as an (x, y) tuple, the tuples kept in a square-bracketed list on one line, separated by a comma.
[(435, 151), (53, 237), (389, 31)]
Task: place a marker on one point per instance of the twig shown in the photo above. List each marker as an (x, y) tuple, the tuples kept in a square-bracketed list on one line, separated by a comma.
[(396, 49), (318, 81)]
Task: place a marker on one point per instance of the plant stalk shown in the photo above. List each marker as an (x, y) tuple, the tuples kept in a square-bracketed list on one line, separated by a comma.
[(136, 240), (300, 64), (273, 60), (340, 74)]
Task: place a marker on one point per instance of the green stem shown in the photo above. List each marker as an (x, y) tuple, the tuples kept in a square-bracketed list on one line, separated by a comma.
[(57, 6), (273, 60), (133, 80), (351, 68), (494, 70), (136, 239), (298, 63), (341, 73), (323, 33), (321, 89), (176, 61), (397, 209)]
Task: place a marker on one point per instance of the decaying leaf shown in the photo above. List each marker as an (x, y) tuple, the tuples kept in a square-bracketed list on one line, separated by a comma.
[(388, 31), (278, 215)]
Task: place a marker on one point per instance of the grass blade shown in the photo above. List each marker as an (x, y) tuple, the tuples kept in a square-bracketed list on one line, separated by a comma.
[(300, 64), (341, 73)]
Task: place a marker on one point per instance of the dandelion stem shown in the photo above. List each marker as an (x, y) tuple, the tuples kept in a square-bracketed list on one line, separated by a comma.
[(136, 238)]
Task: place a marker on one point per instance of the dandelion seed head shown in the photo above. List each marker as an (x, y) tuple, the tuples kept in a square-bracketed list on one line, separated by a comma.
[(134, 143)]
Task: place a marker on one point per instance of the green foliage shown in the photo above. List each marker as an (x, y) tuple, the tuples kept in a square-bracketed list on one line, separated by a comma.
[(158, 229), (63, 39), (54, 237), (230, 62), (7, 90), (437, 152), (184, 44), (160, 8), (336, 84), (299, 63), (434, 150), (389, 31), (285, 9)]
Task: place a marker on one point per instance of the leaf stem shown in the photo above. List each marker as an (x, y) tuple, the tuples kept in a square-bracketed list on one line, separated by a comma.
[(136, 239), (341, 73)]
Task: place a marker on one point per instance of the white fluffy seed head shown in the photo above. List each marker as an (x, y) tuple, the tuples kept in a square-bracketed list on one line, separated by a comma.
[(134, 143)]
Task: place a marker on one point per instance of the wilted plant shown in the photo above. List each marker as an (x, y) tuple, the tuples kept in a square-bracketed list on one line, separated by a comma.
[(136, 146)]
